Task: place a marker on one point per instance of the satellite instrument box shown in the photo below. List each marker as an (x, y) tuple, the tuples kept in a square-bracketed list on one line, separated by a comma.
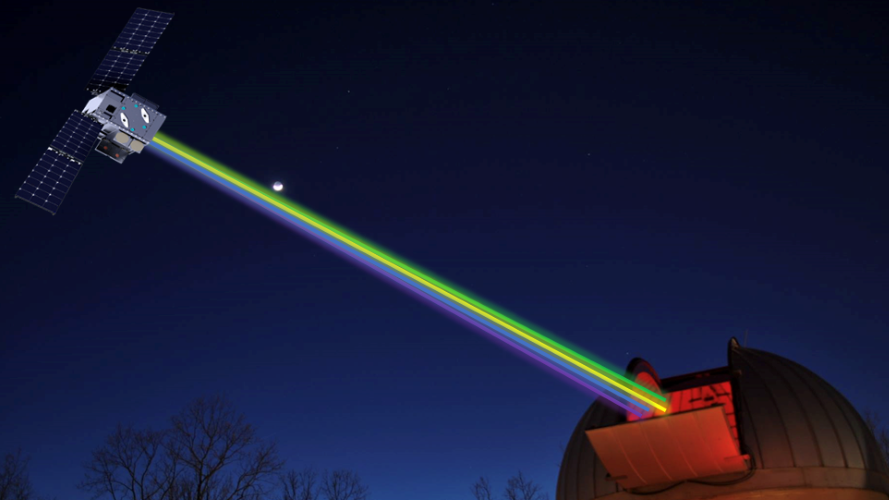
[(128, 123)]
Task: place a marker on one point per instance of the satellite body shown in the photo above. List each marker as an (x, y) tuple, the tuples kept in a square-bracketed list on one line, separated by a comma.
[(128, 122), (112, 123)]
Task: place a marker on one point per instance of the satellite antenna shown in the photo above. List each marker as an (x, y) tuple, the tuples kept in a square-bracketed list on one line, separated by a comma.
[(115, 123)]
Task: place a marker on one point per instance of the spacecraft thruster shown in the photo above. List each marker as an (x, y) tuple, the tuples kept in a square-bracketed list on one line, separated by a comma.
[(113, 123)]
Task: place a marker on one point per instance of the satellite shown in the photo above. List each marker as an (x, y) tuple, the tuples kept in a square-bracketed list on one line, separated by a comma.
[(113, 123)]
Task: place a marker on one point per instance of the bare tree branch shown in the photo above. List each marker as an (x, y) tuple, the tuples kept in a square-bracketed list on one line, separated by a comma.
[(14, 481), (881, 433), (343, 485), (222, 457), (209, 453), (302, 485), (481, 490), (520, 488), (128, 466)]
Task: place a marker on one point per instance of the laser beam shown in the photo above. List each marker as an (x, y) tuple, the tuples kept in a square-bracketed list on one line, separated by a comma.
[(551, 352)]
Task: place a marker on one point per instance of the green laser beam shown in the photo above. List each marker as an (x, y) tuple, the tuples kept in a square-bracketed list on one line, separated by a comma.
[(411, 271)]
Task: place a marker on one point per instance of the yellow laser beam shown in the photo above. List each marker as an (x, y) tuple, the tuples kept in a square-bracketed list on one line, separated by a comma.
[(413, 276)]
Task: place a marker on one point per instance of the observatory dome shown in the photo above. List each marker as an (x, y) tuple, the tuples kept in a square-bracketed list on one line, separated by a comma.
[(795, 437)]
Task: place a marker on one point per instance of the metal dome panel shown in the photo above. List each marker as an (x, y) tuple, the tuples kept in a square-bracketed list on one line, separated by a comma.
[(582, 474), (793, 418)]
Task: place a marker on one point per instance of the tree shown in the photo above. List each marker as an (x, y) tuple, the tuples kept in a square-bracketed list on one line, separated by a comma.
[(132, 465), (481, 490), (343, 485), (220, 455), (302, 485), (520, 488), (208, 453), (14, 481), (875, 424)]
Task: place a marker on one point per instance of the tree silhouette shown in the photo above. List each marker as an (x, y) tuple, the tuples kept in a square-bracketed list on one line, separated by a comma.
[(302, 485), (14, 481), (481, 490), (220, 455), (342, 485), (132, 465), (876, 425), (520, 488), (210, 452)]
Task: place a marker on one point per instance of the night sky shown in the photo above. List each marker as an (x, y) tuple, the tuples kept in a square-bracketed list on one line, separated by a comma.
[(641, 179)]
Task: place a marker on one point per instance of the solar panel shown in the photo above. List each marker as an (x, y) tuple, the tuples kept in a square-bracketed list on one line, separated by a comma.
[(143, 30), (117, 70), (47, 185), (49, 181), (77, 136), (128, 53)]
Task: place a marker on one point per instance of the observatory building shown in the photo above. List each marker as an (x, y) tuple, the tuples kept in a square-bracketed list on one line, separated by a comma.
[(762, 427)]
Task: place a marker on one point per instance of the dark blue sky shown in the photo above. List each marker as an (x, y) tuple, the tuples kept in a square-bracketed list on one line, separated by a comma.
[(642, 180)]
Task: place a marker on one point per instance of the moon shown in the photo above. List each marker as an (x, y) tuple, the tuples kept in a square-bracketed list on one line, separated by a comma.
[(278, 186)]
